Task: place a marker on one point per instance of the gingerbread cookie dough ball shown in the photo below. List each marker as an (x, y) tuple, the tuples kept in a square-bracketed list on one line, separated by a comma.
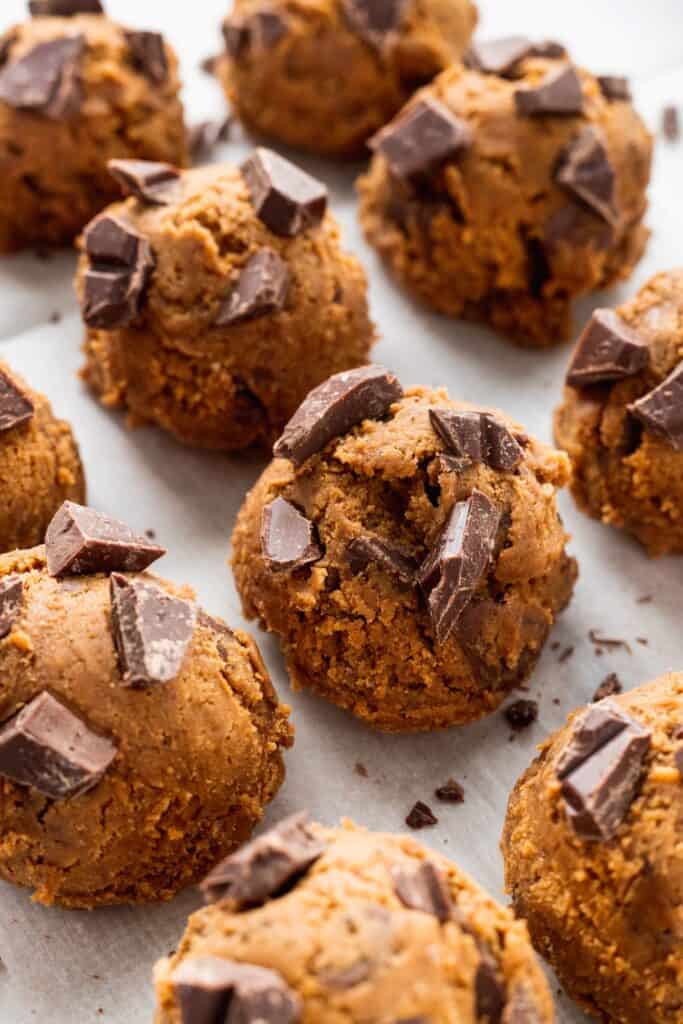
[(325, 74), (592, 847), (40, 466), (621, 418), (310, 925), (509, 187), (215, 299), (75, 91), (407, 551), (140, 738)]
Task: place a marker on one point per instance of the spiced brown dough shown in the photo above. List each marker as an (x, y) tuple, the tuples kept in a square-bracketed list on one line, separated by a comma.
[(232, 385), (196, 757), (608, 913), (485, 229), (355, 625), (353, 940), (40, 466), (324, 75), (626, 472), (113, 99)]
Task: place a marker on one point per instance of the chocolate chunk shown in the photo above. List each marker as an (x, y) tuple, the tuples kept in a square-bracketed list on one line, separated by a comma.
[(451, 573), (584, 170), (576, 226), (285, 198), (158, 184), (63, 8), (334, 407), (46, 79), (80, 541), (478, 437), (151, 629), (368, 550), (661, 410), (211, 990), (521, 1009), (559, 93), (521, 714), (347, 977), (614, 88), (592, 728), (202, 138), (266, 29), (267, 866), (374, 20), (671, 128), (609, 687), (288, 539), (679, 759), (109, 241), (419, 141), (261, 289), (47, 747), (15, 405), (148, 53), (424, 888), (607, 350), (121, 262), (11, 597), (489, 990), (450, 793), (501, 56), (236, 36), (421, 816)]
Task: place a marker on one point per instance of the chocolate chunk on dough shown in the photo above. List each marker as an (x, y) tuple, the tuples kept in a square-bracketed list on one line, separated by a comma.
[(285, 198), (150, 182), (46, 79), (425, 888), (661, 410), (421, 139), (211, 990), (16, 407), (261, 288), (80, 541), (607, 350), (288, 539)]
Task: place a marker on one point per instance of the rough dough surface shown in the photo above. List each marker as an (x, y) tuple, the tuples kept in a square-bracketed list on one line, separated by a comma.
[(627, 476), (198, 757), (491, 235), (54, 169), (609, 915), (343, 941), (323, 87), (40, 467), (365, 640), (235, 386)]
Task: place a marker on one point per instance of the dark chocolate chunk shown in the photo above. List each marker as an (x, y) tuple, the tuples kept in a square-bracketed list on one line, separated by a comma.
[(11, 597), (420, 140), (285, 198), (15, 405), (671, 127), (424, 888), (267, 866), (521, 1009), (46, 79), (236, 36), (158, 184), (266, 29), (661, 410), (80, 541), (501, 56), (592, 728), (334, 407), (151, 630), (478, 437), (261, 288), (421, 816), (451, 573), (489, 990), (609, 687), (607, 350), (288, 540), (211, 990), (148, 53), (121, 262), (47, 747), (614, 88), (202, 138), (374, 20), (369, 550), (450, 793), (64, 8), (521, 714), (559, 93), (584, 170), (576, 225)]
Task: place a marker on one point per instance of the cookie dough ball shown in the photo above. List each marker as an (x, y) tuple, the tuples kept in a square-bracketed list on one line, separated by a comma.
[(621, 418), (140, 738), (214, 300), (40, 466), (75, 91), (592, 847), (407, 550), (324, 925), (325, 74), (510, 187)]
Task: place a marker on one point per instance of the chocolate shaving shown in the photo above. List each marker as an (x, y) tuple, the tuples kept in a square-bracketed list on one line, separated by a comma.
[(211, 990), (424, 888), (607, 641), (154, 183), (16, 407), (502, 56), (288, 540), (607, 350), (477, 437), (285, 198), (261, 289), (521, 714), (584, 170), (421, 140), (421, 816), (375, 21), (46, 79), (80, 541), (367, 550), (63, 8), (661, 410), (609, 687), (148, 53), (615, 88), (566, 655), (121, 262), (11, 599), (559, 93)]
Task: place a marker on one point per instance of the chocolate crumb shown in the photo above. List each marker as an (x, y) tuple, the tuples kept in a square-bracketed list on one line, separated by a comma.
[(208, 64), (450, 793), (642, 640), (557, 701), (555, 645), (521, 714), (421, 816), (645, 599), (151, 534), (566, 655), (671, 126), (611, 642), (609, 687), (360, 769), (55, 318)]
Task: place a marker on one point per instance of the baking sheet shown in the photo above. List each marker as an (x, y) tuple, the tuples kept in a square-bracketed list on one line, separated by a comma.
[(74, 968)]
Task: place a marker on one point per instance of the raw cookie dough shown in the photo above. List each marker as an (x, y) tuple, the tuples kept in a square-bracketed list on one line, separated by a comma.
[(621, 418), (140, 738), (76, 91), (592, 846), (407, 550), (40, 466), (319, 926), (216, 299), (325, 74), (510, 187)]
